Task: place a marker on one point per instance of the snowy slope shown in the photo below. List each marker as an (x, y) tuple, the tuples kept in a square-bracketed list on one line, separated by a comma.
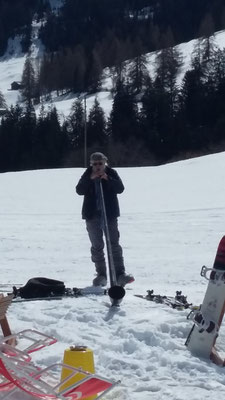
[(11, 67), (172, 220)]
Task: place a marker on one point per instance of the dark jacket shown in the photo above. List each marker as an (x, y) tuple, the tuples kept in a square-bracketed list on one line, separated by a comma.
[(111, 187)]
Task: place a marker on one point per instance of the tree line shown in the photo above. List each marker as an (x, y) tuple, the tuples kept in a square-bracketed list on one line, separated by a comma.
[(152, 121), (89, 23), (82, 38)]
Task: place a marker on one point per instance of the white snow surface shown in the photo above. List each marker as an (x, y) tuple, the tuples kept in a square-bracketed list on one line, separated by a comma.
[(172, 218)]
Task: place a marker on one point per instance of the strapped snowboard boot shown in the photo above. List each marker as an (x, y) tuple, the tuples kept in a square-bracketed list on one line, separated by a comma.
[(123, 279), (100, 280)]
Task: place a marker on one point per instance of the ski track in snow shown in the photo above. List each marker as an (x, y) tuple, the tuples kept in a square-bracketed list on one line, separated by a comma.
[(167, 236)]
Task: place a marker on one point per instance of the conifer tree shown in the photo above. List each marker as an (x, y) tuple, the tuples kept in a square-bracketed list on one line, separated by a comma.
[(54, 138), (10, 144), (28, 81), (123, 122), (48, 142), (40, 141), (93, 73), (138, 73), (168, 63), (26, 135), (76, 124), (96, 125), (157, 119), (79, 69)]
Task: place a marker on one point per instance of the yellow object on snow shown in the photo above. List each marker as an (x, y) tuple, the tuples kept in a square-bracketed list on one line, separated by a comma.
[(78, 357)]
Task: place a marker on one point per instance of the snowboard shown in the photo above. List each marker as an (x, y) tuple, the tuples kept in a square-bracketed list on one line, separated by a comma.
[(207, 321)]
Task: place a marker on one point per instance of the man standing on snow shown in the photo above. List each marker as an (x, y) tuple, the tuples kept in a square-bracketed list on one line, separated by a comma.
[(91, 212)]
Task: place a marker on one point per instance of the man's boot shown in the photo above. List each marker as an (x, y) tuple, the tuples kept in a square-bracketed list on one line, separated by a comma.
[(123, 279), (101, 278)]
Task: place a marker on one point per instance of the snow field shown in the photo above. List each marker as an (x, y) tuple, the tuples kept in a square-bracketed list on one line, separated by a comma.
[(172, 218)]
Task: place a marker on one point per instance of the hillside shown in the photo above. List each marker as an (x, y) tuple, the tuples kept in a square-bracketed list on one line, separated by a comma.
[(142, 108), (69, 23), (12, 64)]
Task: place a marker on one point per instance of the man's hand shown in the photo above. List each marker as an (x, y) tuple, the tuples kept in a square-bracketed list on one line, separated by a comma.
[(104, 176), (95, 175), (98, 174)]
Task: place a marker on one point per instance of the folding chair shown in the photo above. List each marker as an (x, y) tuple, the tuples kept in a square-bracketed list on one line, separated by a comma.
[(11, 351), (5, 302), (43, 384), (29, 340)]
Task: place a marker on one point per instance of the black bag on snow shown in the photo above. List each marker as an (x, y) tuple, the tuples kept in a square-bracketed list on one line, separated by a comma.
[(40, 287)]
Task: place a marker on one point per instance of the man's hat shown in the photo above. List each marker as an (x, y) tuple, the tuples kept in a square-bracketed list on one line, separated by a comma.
[(98, 156)]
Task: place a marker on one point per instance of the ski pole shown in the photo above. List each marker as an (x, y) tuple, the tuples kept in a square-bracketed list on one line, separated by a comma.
[(112, 272), (116, 293)]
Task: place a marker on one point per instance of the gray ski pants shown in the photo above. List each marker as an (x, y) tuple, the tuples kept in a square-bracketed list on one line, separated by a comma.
[(95, 232)]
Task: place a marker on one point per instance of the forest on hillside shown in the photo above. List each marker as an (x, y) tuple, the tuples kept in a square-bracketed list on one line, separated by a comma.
[(81, 38), (100, 24), (153, 120)]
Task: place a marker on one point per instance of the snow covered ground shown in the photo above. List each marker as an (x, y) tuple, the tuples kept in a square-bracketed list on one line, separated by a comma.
[(171, 223)]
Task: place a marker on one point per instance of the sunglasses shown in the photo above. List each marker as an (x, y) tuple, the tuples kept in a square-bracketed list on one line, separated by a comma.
[(97, 163)]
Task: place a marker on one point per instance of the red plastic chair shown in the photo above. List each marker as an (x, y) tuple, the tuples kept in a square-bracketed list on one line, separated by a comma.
[(29, 340), (42, 385), (18, 373)]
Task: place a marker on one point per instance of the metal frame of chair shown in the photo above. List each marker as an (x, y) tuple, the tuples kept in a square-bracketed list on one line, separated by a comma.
[(18, 373), (41, 385), (37, 340)]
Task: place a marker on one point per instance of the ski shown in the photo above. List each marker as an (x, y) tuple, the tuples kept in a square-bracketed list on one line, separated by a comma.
[(21, 300), (207, 321), (46, 289), (68, 293), (179, 301)]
